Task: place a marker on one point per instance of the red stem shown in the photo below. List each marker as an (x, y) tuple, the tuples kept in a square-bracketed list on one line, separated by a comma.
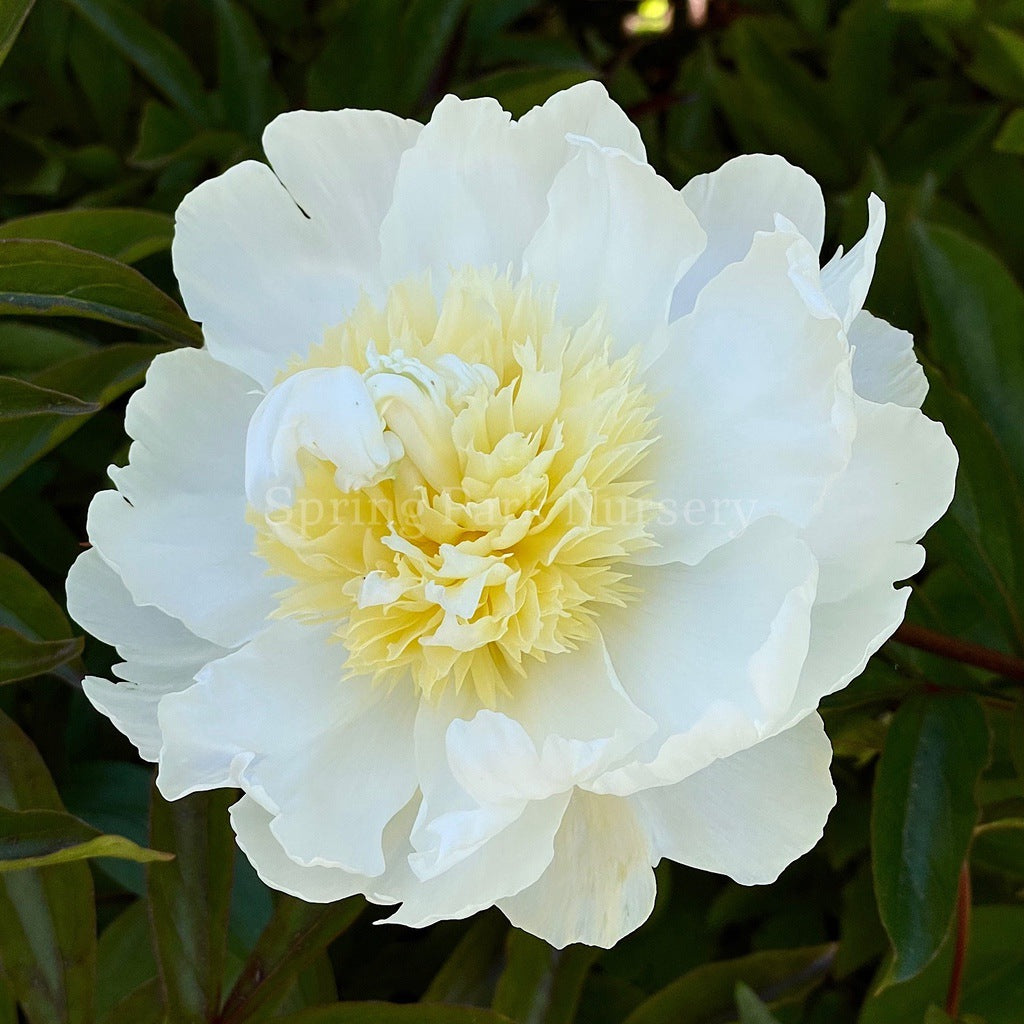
[(963, 935), (960, 650)]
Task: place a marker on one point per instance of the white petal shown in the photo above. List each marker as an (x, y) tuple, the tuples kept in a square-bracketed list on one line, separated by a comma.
[(160, 655), (712, 652), (508, 862), (750, 815), (744, 196), (844, 634), (175, 529), (473, 189), (599, 885), (586, 110), (566, 722), (261, 276), (885, 368), (330, 756), (617, 237), (327, 412), (340, 167), (899, 481), (755, 412), (251, 823), (846, 279)]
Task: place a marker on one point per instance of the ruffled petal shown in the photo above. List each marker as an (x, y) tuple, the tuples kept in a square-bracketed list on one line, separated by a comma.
[(504, 865), (713, 652), (584, 110), (756, 402), (749, 815), (260, 276), (327, 412), (846, 279), (599, 885), (899, 481), (252, 824), (565, 723), (160, 655), (340, 167), (885, 368), (744, 196), (175, 528), (473, 189), (329, 756), (617, 237)]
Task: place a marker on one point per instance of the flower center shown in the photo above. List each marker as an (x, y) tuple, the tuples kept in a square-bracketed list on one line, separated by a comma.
[(453, 483)]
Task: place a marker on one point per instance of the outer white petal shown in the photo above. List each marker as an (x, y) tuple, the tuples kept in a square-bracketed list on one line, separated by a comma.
[(617, 237), (330, 756), (744, 196), (885, 368), (585, 110), (846, 279), (900, 480), (327, 412), (749, 815), (599, 885), (473, 189), (505, 864), (252, 825), (175, 528), (261, 276), (160, 655), (340, 167), (755, 411), (712, 652), (567, 721)]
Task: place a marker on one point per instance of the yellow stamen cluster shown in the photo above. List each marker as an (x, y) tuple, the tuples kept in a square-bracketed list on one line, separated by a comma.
[(500, 531)]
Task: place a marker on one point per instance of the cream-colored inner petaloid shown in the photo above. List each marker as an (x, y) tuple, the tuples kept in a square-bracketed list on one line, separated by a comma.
[(515, 494)]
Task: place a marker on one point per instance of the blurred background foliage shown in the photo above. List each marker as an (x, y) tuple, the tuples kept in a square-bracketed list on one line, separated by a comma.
[(910, 909)]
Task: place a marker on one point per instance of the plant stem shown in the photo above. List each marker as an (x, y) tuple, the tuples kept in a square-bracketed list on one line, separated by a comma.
[(960, 650), (962, 937)]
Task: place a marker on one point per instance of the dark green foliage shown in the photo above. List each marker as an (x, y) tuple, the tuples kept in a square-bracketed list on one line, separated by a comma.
[(111, 110)]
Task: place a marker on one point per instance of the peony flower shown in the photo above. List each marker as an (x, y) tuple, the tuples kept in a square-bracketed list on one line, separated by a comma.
[(515, 517)]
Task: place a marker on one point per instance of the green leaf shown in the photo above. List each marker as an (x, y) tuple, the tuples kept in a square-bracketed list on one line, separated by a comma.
[(751, 1009), (98, 377), (38, 839), (47, 915), (143, 1005), (46, 278), (27, 347), (707, 993), (244, 67), (1011, 136), (923, 814), (156, 57), (999, 61), (125, 959), (390, 1013), (982, 534), (189, 900), (27, 607), (12, 16), (296, 935), (975, 313), (999, 847), (122, 234), (468, 974), (21, 658), (541, 985), (19, 398)]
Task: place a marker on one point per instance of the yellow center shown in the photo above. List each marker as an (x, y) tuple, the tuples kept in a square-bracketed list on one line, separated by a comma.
[(513, 498)]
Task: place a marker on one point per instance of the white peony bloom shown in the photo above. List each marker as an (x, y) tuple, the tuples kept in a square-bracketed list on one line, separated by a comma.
[(516, 516)]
